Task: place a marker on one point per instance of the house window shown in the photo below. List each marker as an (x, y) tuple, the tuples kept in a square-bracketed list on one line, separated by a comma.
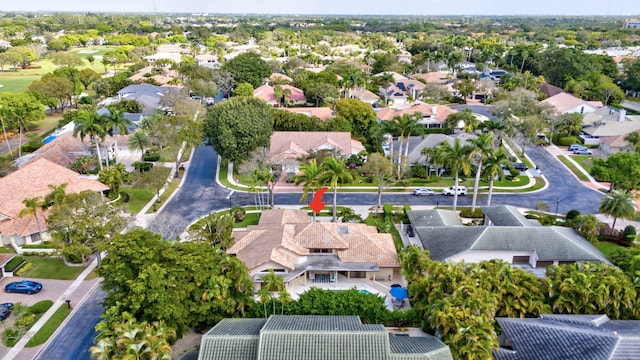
[(543, 264), (36, 237), (520, 260), (321, 251)]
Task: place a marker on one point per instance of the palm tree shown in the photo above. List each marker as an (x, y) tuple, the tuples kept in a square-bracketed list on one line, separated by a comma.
[(483, 145), (412, 127), (90, 123), (334, 171), (31, 208), (310, 177), (494, 162), (4, 131), (388, 128), (116, 121), (619, 203), (497, 127), (56, 196), (457, 157), (273, 283), (139, 141)]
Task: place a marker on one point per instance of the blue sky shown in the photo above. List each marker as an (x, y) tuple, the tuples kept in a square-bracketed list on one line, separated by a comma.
[(373, 7)]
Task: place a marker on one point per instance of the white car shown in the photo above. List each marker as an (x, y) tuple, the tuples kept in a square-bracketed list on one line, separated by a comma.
[(451, 190), (423, 192)]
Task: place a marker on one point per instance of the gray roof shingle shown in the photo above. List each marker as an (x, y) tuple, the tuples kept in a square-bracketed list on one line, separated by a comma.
[(433, 217), (309, 337), (560, 337), (506, 216)]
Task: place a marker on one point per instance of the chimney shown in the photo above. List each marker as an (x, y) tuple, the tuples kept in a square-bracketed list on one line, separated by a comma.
[(434, 109), (622, 115)]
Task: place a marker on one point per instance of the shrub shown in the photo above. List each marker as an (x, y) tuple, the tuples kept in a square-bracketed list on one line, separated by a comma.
[(387, 210), (142, 166), (467, 213), (568, 140), (32, 145), (44, 245), (14, 263), (151, 156), (238, 213), (10, 336), (41, 306), (629, 234), (419, 171), (572, 214), (24, 269)]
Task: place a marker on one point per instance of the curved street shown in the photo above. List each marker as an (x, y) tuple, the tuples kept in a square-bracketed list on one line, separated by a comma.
[(200, 194)]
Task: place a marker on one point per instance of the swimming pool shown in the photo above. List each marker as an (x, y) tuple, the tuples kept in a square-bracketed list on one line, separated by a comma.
[(49, 139)]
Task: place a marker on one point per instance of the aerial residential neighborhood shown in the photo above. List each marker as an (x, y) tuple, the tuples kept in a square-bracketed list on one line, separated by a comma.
[(244, 182)]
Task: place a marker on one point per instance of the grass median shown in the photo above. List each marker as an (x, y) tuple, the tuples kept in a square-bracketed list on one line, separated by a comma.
[(49, 327), (574, 169)]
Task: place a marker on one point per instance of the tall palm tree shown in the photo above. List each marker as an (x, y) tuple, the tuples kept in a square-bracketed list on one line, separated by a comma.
[(406, 125), (90, 123), (4, 131), (116, 122), (334, 172), (310, 177), (482, 147), (139, 141), (412, 127), (619, 203), (497, 127), (456, 157), (31, 208), (493, 168), (56, 196), (388, 128)]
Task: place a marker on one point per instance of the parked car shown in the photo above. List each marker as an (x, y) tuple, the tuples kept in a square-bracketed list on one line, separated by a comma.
[(451, 190), (423, 192), (4, 312), (573, 147), (520, 166), (582, 152), (23, 287)]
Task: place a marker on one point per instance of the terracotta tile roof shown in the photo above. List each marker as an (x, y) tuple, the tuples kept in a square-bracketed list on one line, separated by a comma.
[(323, 113), (64, 149), (4, 258), (33, 180), (280, 77), (293, 144), (364, 94), (267, 93), (563, 102), (440, 111), (286, 244), (431, 77)]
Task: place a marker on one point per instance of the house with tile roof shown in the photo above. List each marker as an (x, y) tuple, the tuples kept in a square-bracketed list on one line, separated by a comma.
[(314, 337), (323, 113), (303, 252), (267, 93), (64, 149), (402, 91), (565, 103), (364, 95), (289, 147), (506, 235), (433, 116), (568, 337), (32, 181)]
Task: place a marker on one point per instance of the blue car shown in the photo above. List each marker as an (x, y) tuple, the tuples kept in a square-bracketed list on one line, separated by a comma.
[(4, 312), (23, 287)]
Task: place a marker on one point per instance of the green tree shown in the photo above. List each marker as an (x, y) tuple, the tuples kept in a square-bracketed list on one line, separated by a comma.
[(116, 124), (91, 124), (334, 172), (238, 126), (248, 68), (618, 204), (465, 87), (214, 230), (494, 163), (66, 59), (113, 176), (309, 175), (244, 89), (456, 157), (59, 89), (139, 141), (469, 121), (359, 114), (378, 166), (20, 111), (570, 124), (633, 139), (482, 149), (31, 207), (87, 77), (82, 221)]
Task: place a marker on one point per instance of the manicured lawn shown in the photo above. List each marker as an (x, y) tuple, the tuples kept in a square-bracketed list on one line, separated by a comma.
[(608, 248), (165, 195), (49, 327), (51, 268), (249, 219), (7, 250), (16, 83), (585, 161), (573, 168), (138, 198)]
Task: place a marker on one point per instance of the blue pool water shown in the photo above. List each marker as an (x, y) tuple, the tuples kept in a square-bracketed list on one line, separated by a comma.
[(364, 291), (48, 139)]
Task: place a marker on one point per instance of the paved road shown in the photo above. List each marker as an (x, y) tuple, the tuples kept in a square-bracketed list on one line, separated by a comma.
[(201, 195), (76, 337)]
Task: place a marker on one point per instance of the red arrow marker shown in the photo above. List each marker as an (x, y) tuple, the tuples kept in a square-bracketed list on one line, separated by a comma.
[(317, 205)]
